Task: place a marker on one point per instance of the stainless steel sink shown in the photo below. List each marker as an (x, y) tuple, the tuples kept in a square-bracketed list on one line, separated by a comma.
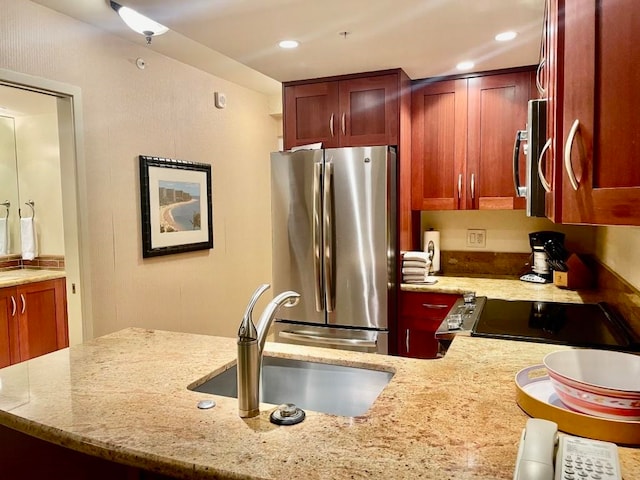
[(322, 387)]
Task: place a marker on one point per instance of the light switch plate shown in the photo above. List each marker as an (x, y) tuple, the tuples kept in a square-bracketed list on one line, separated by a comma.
[(476, 238)]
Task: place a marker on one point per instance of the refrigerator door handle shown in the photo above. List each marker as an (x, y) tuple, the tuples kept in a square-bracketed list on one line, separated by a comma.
[(327, 235), (355, 342), (317, 237)]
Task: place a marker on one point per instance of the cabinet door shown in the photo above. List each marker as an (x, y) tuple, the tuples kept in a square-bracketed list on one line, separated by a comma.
[(497, 109), (9, 349), (42, 317), (311, 114), (552, 81), (369, 111), (601, 183), (439, 145), (421, 313)]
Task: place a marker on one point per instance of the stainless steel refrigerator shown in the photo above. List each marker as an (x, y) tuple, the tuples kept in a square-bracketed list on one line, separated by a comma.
[(335, 241)]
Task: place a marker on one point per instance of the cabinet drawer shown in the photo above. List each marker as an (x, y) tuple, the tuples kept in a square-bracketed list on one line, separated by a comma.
[(426, 304)]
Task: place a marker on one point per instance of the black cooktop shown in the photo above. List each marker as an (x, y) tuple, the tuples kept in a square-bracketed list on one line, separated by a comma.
[(586, 325)]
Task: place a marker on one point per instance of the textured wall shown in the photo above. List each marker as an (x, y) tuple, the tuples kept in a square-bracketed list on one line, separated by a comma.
[(164, 110), (619, 248)]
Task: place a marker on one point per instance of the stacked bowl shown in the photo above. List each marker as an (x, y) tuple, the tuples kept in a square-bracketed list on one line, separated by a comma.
[(601, 383)]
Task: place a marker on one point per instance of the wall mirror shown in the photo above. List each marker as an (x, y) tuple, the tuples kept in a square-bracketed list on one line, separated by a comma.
[(30, 168)]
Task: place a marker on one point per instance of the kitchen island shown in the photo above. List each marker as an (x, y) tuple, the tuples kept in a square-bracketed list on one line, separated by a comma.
[(124, 398)]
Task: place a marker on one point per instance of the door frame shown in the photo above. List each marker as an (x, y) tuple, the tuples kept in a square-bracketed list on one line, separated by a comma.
[(74, 196)]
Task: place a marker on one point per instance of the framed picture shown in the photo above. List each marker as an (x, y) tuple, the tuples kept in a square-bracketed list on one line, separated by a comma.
[(175, 199)]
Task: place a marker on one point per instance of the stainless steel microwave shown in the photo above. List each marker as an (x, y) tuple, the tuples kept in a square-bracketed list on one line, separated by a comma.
[(533, 138)]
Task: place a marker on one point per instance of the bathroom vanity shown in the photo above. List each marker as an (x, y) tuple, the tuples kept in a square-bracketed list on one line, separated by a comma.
[(33, 314)]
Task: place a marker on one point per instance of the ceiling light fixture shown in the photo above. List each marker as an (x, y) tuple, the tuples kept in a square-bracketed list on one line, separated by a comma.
[(465, 65), (288, 44), (506, 36), (139, 23)]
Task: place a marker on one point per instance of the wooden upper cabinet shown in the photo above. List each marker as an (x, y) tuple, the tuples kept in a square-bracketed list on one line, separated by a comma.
[(369, 111), (463, 134), (352, 112), (497, 109), (310, 114), (438, 144), (600, 98)]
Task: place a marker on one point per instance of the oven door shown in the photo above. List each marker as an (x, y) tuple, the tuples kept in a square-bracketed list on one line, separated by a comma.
[(370, 341)]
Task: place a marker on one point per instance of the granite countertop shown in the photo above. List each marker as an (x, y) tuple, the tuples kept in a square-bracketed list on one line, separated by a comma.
[(124, 397), (12, 278), (506, 289)]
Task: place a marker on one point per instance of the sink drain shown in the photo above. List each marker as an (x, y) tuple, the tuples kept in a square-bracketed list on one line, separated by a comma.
[(287, 414)]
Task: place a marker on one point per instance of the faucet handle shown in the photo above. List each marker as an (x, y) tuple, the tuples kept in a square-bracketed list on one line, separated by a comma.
[(247, 330)]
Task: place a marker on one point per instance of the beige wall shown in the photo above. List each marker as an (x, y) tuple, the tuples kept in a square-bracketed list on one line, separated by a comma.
[(507, 231), (164, 110), (619, 248), (38, 153)]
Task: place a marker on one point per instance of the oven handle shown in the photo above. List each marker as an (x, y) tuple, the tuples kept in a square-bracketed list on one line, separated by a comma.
[(353, 342)]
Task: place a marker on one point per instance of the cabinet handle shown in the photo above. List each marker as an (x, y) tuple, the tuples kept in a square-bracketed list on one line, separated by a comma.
[(473, 187), (459, 185), (13, 306), (567, 154), (24, 303), (541, 88), (344, 123), (331, 125), (543, 181), (434, 305), (406, 340)]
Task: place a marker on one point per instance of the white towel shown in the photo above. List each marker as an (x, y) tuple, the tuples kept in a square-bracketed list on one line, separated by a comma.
[(415, 271), (416, 256), (28, 238), (415, 264), (4, 236)]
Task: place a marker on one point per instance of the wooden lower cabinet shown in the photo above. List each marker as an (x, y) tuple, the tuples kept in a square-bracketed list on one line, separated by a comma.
[(421, 313), (33, 320), (55, 462)]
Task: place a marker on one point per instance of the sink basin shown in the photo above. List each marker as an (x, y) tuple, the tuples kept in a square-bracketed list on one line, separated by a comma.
[(322, 387)]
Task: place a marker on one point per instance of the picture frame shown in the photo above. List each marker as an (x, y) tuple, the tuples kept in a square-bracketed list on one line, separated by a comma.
[(176, 206)]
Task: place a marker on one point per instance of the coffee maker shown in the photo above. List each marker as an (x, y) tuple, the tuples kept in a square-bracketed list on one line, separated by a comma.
[(540, 270)]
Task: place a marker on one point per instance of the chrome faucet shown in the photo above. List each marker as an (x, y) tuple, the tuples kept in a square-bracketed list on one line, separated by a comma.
[(251, 340)]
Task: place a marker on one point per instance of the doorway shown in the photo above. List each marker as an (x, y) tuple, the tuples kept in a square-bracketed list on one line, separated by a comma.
[(64, 115)]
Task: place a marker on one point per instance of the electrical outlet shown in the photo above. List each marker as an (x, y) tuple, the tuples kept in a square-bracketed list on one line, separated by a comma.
[(477, 238)]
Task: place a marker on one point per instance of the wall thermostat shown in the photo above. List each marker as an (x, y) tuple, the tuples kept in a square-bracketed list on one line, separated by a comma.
[(220, 100)]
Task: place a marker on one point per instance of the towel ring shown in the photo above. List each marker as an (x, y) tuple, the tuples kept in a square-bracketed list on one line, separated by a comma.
[(6, 204), (31, 204)]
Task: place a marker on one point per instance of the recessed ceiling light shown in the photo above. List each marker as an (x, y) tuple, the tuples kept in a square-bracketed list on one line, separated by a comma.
[(288, 44), (506, 36), (465, 65)]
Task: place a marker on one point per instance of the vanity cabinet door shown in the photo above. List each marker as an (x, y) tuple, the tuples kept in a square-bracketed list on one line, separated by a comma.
[(42, 315), (421, 313), (9, 349)]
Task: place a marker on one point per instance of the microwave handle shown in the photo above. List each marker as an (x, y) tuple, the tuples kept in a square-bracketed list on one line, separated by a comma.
[(520, 191)]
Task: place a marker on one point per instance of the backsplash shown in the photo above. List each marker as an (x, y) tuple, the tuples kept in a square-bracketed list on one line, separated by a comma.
[(48, 262), (484, 263)]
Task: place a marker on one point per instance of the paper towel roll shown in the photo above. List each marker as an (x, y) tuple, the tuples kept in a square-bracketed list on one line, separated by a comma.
[(431, 243)]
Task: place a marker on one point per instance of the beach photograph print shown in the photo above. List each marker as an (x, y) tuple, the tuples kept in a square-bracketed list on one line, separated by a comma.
[(179, 206), (177, 215)]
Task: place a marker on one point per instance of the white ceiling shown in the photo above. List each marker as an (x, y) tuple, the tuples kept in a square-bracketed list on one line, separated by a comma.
[(237, 39)]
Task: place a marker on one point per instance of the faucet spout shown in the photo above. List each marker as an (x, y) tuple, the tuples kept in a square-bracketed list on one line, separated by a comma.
[(285, 299), (251, 341)]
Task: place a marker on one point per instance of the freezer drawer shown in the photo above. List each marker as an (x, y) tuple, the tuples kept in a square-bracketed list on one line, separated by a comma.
[(370, 341)]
